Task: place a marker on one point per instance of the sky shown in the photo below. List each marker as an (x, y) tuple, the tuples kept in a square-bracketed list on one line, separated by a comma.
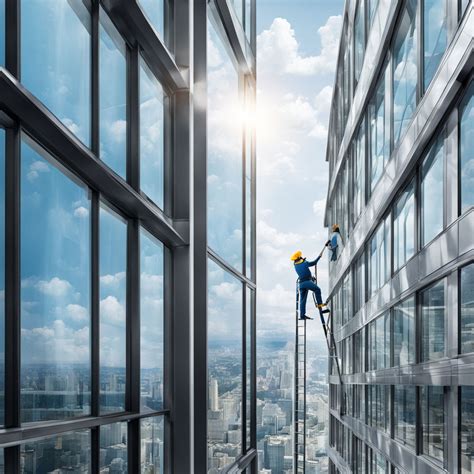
[(297, 47)]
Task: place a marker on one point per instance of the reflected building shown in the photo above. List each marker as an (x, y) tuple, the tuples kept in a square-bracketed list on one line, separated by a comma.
[(401, 160), (127, 236)]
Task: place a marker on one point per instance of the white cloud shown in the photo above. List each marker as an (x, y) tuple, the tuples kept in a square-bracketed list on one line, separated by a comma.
[(72, 126), (76, 312), (112, 311), (81, 212), (54, 287), (319, 207), (35, 169), (279, 51), (117, 131), (112, 280)]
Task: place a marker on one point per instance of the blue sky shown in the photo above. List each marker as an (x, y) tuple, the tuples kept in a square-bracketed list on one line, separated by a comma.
[(297, 50)]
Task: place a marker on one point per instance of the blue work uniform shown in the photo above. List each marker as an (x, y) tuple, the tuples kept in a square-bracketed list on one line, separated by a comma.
[(335, 246), (306, 283)]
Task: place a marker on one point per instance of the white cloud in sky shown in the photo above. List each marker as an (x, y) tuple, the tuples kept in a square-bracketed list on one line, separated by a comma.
[(54, 287), (279, 51)]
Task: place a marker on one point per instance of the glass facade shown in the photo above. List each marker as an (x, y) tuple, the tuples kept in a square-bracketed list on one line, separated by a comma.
[(379, 257), (358, 174), (359, 39), (404, 333), (405, 414), (104, 239), (466, 149), (467, 430), (404, 227), (433, 312), (467, 308), (433, 421)]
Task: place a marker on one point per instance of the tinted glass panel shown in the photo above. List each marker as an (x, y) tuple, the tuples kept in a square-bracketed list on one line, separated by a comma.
[(379, 257), (432, 402), (152, 141), (224, 153), (433, 322), (435, 36), (404, 227), (405, 70), (372, 9), (432, 192), (55, 290), (56, 59), (113, 97), (224, 367), (152, 445), (155, 12), (113, 289), (467, 430), (467, 150), (467, 309), (69, 452), (404, 333), (358, 169), (405, 414), (239, 9), (359, 39), (248, 361), (151, 321), (113, 448)]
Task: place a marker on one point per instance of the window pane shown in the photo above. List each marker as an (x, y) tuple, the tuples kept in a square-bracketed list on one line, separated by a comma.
[(432, 192), (467, 309), (248, 19), (359, 40), (113, 97), (404, 333), (405, 70), (56, 59), (372, 9), (379, 261), (155, 12), (113, 290), (405, 414), (55, 290), (432, 322), (224, 367), (249, 132), (152, 141), (467, 430), (467, 150), (435, 36), (2, 274), (359, 284), (248, 358), (378, 145), (239, 9), (113, 448), (404, 227), (152, 445), (224, 153), (432, 399), (151, 321), (358, 173), (68, 452)]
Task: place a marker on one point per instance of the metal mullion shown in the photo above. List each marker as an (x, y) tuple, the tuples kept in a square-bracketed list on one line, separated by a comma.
[(229, 268), (243, 417), (12, 291), (133, 119), (12, 37), (95, 89)]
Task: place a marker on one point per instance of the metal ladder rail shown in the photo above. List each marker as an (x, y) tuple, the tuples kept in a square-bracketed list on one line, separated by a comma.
[(299, 416), (332, 350)]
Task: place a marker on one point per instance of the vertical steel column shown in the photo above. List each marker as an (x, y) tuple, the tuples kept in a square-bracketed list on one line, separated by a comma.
[(199, 234)]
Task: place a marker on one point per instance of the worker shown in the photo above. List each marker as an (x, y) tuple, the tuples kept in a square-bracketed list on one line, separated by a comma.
[(335, 242), (306, 282)]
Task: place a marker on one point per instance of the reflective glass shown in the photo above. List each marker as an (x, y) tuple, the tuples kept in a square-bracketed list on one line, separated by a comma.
[(155, 12), (113, 448), (152, 140), (113, 290), (248, 19), (432, 192), (224, 367), (433, 322), (379, 257), (433, 422), (467, 430), (466, 151), (239, 9), (152, 442), (68, 452), (358, 169), (151, 321), (373, 4), (404, 227), (248, 361), (56, 59), (113, 96), (405, 70), (467, 309), (435, 36), (378, 406), (404, 332), (379, 343), (359, 39), (2, 274), (359, 283), (464, 4), (55, 289), (378, 142), (405, 414), (249, 132), (224, 177)]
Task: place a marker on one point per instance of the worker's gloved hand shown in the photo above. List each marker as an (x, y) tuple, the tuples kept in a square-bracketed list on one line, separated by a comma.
[(327, 243)]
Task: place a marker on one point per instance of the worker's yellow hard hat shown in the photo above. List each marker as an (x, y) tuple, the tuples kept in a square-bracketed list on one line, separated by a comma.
[(297, 255)]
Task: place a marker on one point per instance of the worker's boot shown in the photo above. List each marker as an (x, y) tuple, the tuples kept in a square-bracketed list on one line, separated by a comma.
[(323, 309), (302, 318)]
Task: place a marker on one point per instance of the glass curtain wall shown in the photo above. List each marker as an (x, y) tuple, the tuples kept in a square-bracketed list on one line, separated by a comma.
[(433, 313), (467, 308), (466, 149), (404, 227)]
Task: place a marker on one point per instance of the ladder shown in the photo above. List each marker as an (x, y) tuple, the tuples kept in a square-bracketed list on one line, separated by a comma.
[(299, 415)]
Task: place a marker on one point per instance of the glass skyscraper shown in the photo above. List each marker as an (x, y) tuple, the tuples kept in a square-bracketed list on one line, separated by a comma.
[(401, 157), (127, 237)]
